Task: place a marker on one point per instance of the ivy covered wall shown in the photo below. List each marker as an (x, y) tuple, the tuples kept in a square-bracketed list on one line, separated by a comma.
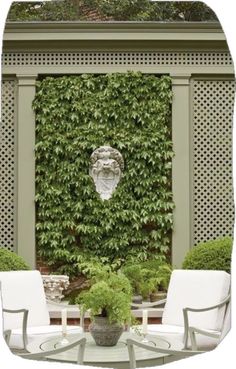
[(75, 115)]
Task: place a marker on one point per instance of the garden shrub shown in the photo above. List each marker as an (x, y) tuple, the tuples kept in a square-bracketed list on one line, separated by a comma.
[(211, 255), (74, 116), (148, 276), (11, 261)]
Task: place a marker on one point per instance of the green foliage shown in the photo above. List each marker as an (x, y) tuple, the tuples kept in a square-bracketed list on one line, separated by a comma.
[(134, 274), (110, 298), (146, 10), (11, 261), (43, 11), (212, 255), (147, 277), (125, 10), (74, 116), (162, 270)]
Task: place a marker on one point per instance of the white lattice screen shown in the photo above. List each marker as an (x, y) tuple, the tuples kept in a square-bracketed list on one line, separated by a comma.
[(118, 58), (7, 163), (213, 207)]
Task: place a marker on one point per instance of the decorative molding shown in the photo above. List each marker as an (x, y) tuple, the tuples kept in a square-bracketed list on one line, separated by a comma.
[(54, 285), (106, 166), (26, 79)]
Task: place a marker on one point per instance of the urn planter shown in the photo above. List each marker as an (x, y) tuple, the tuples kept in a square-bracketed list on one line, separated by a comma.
[(105, 333), (157, 296)]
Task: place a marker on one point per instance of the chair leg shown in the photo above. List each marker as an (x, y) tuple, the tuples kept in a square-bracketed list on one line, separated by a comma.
[(132, 361), (80, 358), (24, 330), (193, 339)]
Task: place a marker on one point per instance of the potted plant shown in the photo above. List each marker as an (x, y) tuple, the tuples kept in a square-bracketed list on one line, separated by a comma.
[(149, 279), (162, 278), (150, 283), (109, 305), (134, 274)]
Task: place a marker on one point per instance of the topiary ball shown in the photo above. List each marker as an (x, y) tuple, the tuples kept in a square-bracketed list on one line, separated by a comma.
[(210, 255), (11, 261)]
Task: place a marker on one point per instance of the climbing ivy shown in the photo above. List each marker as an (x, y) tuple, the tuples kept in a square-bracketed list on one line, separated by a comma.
[(74, 116)]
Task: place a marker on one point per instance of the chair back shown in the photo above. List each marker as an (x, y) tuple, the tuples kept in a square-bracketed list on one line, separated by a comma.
[(24, 290), (196, 289)]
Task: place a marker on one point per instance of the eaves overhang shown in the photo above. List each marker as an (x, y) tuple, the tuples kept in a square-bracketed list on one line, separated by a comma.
[(113, 35), (49, 31)]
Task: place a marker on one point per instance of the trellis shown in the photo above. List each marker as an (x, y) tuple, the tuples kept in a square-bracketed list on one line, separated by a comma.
[(203, 85)]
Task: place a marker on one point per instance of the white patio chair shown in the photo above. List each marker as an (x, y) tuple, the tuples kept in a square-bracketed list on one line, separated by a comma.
[(195, 332), (8, 360), (181, 353), (178, 354), (25, 310), (196, 299)]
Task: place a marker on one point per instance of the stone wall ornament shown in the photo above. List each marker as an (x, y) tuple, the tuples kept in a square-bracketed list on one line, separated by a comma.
[(106, 170), (54, 285)]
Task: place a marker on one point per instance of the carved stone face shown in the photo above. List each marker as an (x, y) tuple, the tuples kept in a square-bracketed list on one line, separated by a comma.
[(105, 169)]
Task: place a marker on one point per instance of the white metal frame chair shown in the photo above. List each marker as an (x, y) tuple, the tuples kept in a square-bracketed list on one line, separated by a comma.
[(194, 332), (25, 311), (196, 300), (178, 354), (9, 360)]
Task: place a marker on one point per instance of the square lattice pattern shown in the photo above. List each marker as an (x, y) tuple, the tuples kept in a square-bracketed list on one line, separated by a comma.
[(7, 163), (117, 58), (213, 206)]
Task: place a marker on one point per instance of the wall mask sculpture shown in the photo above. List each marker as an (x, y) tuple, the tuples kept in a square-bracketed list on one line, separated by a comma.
[(106, 170)]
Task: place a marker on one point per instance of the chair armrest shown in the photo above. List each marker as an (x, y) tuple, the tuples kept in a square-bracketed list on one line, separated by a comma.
[(193, 330), (39, 355), (201, 310), (148, 304), (24, 322), (7, 335), (131, 343)]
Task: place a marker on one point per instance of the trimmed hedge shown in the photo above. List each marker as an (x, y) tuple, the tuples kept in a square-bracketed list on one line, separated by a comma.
[(210, 255), (11, 261)]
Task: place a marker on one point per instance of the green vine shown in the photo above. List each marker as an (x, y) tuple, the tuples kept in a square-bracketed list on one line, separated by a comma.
[(74, 116)]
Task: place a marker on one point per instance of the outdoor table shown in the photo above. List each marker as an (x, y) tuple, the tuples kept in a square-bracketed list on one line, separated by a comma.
[(109, 357)]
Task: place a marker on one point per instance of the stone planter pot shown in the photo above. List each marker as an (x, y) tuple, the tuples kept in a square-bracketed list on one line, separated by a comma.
[(136, 299), (104, 333), (157, 296)]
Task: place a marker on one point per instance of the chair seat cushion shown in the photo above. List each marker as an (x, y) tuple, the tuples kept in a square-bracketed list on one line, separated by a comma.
[(36, 332)]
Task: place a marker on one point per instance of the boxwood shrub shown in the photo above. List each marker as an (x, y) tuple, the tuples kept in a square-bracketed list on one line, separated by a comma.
[(211, 255), (11, 261)]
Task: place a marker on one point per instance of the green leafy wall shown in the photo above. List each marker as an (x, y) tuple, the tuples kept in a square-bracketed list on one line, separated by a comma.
[(75, 115)]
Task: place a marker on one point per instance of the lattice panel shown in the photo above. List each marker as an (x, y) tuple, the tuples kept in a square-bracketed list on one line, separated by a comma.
[(7, 163), (118, 58), (213, 103)]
